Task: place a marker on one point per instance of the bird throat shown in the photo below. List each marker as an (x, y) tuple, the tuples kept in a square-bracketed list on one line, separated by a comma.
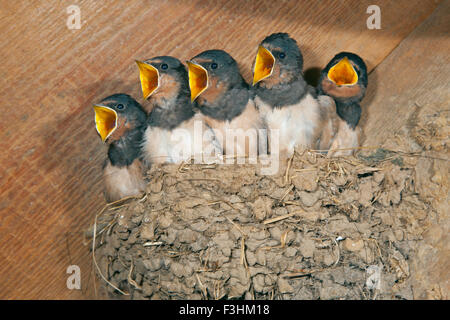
[(283, 94), (171, 114), (226, 107), (124, 151), (349, 112)]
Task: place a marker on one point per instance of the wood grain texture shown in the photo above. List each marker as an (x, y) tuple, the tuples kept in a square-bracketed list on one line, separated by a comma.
[(50, 164), (415, 74)]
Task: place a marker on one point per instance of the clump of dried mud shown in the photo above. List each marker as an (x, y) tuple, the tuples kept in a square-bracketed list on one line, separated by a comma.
[(427, 134), (325, 229)]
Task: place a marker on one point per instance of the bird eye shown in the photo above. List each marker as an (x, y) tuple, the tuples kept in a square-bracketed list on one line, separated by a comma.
[(282, 55), (120, 106), (213, 65), (164, 66)]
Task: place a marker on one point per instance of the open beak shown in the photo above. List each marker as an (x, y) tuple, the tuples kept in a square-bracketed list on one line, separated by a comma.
[(198, 79), (264, 64), (343, 73), (149, 77), (105, 121)]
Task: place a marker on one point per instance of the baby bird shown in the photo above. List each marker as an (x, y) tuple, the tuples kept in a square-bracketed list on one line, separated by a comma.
[(175, 132), (120, 122), (345, 80), (226, 103), (284, 99)]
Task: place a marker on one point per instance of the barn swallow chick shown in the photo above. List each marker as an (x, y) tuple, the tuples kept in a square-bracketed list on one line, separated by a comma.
[(345, 80), (120, 122), (285, 100), (226, 103), (174, 133)]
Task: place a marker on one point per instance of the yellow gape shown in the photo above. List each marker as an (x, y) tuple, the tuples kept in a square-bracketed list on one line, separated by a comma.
[(264, 64), (198, 79), (149, 77), (343, 73), (105, 121)]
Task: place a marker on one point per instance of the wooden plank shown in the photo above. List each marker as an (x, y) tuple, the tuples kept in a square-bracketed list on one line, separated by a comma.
[(50, 167), (416, 73)]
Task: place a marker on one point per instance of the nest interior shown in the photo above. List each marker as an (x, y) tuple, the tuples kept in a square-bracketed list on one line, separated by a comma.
[(324, 229)]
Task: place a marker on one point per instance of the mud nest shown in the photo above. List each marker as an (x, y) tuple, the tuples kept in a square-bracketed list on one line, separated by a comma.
[(324, 229)]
